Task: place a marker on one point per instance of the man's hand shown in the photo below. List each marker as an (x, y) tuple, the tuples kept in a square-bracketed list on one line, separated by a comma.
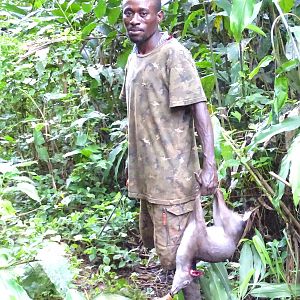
[(208, 180)]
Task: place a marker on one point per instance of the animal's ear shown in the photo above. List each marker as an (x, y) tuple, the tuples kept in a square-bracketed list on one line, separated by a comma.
[(247, 215)]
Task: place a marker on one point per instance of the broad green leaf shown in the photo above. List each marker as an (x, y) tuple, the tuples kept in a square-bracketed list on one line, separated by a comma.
[(221, 272), (10, 288), (106, 260), (29, 189), (5, 257), (213, 286), (6, 208), (121, 157), (296, 32), (218, 138), (237, 115), (8, 167), (52, 258), (256, 10), (86, 152), (258, 266), (273, 290), (88, 29), (100, 9), (92, 115), (256, 29), (294, 177), (241, 13), (94, 73), (225, 4), (26, 164), (113, 15), (288, 66), (263, 63), (54, 96), (287, 124), (280, 93), (246, 261), (208, 84), (190, 18), (72, 7), (286, 5), (71, 153), (87, 6), (283, 173), (15, 9), (173, 10), (81, 139), (39, 126), (74, 295), (122, 58), (244, 285), (42, 153), (9, 139), (262, 251), (38, 138)]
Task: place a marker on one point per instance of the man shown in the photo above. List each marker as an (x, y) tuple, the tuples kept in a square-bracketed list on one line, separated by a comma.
[(165, 101)]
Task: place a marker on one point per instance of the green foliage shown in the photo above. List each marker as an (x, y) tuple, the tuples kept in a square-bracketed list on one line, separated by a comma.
[(255, 267), (10, 287), (63, 138), (241, 16)]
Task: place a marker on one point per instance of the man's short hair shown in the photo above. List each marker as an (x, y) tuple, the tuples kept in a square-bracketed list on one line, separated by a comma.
[(157, 5)]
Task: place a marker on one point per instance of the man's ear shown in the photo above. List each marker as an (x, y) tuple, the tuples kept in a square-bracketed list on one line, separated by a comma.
[(160, 16)]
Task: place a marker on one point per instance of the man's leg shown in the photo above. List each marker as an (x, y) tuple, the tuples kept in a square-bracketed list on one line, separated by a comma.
[(146, 225), (169, 223)]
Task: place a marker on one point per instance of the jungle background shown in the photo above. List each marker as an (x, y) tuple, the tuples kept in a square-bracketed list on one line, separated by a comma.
[(68, 231)]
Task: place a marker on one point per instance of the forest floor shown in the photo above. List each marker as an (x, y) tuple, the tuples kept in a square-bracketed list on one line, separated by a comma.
[(145, 277)]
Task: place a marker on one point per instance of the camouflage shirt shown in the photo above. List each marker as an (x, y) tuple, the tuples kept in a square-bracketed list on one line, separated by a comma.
[(159, 88)]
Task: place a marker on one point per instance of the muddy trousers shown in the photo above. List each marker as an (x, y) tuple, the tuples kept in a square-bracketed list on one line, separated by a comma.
[(162, 226)]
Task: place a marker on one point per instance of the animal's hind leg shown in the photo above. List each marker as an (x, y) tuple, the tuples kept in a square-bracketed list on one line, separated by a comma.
[(220, 210), (199, 215)]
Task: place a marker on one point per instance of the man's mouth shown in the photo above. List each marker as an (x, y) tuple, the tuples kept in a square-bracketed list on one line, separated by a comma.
[(134, 30)]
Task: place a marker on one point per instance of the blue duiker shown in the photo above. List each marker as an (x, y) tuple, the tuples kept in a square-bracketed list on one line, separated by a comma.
[(211, 244)]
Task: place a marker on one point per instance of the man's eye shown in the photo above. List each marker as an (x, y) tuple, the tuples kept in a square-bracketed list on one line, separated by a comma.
[(128, 14), (143, 14)]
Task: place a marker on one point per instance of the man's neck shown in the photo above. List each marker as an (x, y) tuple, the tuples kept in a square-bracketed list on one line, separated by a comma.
[(150, 44)]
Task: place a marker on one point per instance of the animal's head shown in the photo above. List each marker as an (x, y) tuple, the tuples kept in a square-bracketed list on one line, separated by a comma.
[(182, 279)]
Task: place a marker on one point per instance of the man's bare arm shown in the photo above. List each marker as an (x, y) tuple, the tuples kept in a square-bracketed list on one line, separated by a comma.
[(208, 178)]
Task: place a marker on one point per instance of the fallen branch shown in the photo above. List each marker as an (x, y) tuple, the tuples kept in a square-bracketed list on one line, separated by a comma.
[(280, 179), (45, 45)]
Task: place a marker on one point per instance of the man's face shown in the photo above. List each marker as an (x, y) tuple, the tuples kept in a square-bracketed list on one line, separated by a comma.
[(141, 19)]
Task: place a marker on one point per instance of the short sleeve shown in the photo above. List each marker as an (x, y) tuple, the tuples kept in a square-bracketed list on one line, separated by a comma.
[(184, 82), (122, 96)]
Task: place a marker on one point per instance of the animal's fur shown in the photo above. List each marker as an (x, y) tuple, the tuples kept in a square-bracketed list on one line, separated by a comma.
[(211, 244)]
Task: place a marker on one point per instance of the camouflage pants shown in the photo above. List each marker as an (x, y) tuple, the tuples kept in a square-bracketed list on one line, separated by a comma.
[(162, 226)]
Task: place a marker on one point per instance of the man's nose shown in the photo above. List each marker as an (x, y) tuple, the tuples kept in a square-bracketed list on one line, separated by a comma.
[(135, 19)]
